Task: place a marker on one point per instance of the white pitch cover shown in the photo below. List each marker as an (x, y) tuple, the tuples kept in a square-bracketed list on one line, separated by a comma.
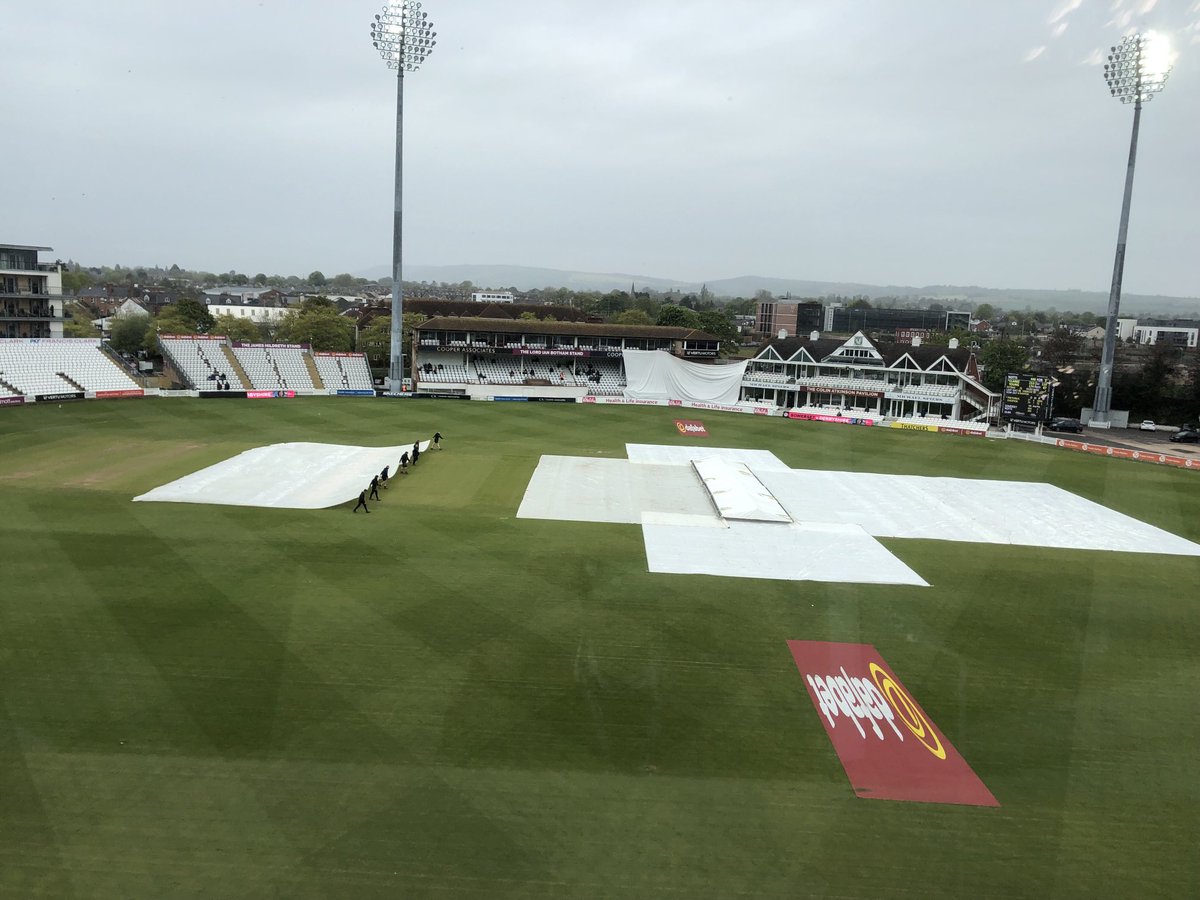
[(834, 516), (737, 493), (284, 476)]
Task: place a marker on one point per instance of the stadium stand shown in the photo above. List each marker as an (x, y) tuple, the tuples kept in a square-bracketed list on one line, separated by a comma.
[(200, 361), (344, 373), (42, 366), (275, 368)]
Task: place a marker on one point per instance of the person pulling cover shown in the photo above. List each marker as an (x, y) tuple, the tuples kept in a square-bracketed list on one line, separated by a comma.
[(416, 452), (375, 488), (362, 501), (437, 440)]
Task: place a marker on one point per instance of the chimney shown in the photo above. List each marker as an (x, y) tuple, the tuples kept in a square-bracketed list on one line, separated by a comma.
[(916, 341), (814, 336), (953, 343)]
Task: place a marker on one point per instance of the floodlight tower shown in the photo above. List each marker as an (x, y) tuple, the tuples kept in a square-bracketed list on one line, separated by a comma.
[(1136, 70), (404, 37)]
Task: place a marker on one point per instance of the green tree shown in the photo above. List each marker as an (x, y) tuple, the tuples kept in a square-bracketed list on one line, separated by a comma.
[(677, 316), (260, 279), (75, 281), (237, 328), (344, 282), (317, 278), (985, 312), (633, 317), (376, 339), (614, 302), (1062, 347), (128, 333), (320, 301), (79, 328), (322, 328), (864, 303), (720, 324), (192, 316), (999, 358)]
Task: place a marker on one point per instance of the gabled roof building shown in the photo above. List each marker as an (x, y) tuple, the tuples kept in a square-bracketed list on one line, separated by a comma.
[(882, 380)]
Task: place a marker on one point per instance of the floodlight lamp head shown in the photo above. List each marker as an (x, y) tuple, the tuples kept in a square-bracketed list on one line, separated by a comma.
[(1138, 67), (403, 35)]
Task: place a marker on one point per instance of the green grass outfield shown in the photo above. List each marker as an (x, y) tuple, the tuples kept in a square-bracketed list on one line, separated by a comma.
[(440, 699)]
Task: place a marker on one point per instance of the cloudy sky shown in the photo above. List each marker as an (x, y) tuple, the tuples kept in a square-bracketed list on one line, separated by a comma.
[(919, 142)]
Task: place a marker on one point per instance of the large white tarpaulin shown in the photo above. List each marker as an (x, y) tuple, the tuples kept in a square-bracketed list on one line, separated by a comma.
[(737, 493), (284, 476), (835, 516), (657, 375)]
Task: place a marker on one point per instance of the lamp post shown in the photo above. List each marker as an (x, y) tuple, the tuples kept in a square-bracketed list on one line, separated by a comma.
[(404, 37), (1136, 70)]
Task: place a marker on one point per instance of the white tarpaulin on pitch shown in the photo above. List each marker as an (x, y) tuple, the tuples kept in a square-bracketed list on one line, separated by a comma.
[(737, 493), (657, 375), (284, 476), (693, 505)]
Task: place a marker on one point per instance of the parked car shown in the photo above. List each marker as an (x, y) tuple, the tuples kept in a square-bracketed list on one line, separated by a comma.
[(1072, 425), (1147, 425), (1185, 437)]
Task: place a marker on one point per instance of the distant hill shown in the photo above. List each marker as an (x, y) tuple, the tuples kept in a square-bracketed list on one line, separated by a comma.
[(526, 278)]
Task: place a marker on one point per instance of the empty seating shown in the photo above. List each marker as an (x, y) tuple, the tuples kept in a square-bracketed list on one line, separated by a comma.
[(344, 373), (833, 384), (275, 368), (44, 366), (924, 390), (197, 359)]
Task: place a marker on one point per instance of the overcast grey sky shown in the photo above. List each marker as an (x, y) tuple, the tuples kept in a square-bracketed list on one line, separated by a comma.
[(919, 142)]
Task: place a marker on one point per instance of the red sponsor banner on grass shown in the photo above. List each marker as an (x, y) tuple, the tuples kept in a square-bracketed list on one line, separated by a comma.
[(1121, 453), (688, 427), (889, 747), (966, 432), (822, 417), (112, 395)]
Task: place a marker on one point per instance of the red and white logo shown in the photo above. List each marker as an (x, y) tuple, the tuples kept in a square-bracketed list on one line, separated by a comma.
[(687, 427), (888, 746)]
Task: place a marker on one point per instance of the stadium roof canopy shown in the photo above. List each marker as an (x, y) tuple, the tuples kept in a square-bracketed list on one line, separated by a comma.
[(529, 326)]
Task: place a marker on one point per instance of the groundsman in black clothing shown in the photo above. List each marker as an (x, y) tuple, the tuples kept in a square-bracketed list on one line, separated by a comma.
[(437, 440), (362, 501), (375, 488)]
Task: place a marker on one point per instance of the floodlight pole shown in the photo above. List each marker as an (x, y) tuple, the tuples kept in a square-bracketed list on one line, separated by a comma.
[(396, 363), (1102, 403), (404, 37), (1132, 77)]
